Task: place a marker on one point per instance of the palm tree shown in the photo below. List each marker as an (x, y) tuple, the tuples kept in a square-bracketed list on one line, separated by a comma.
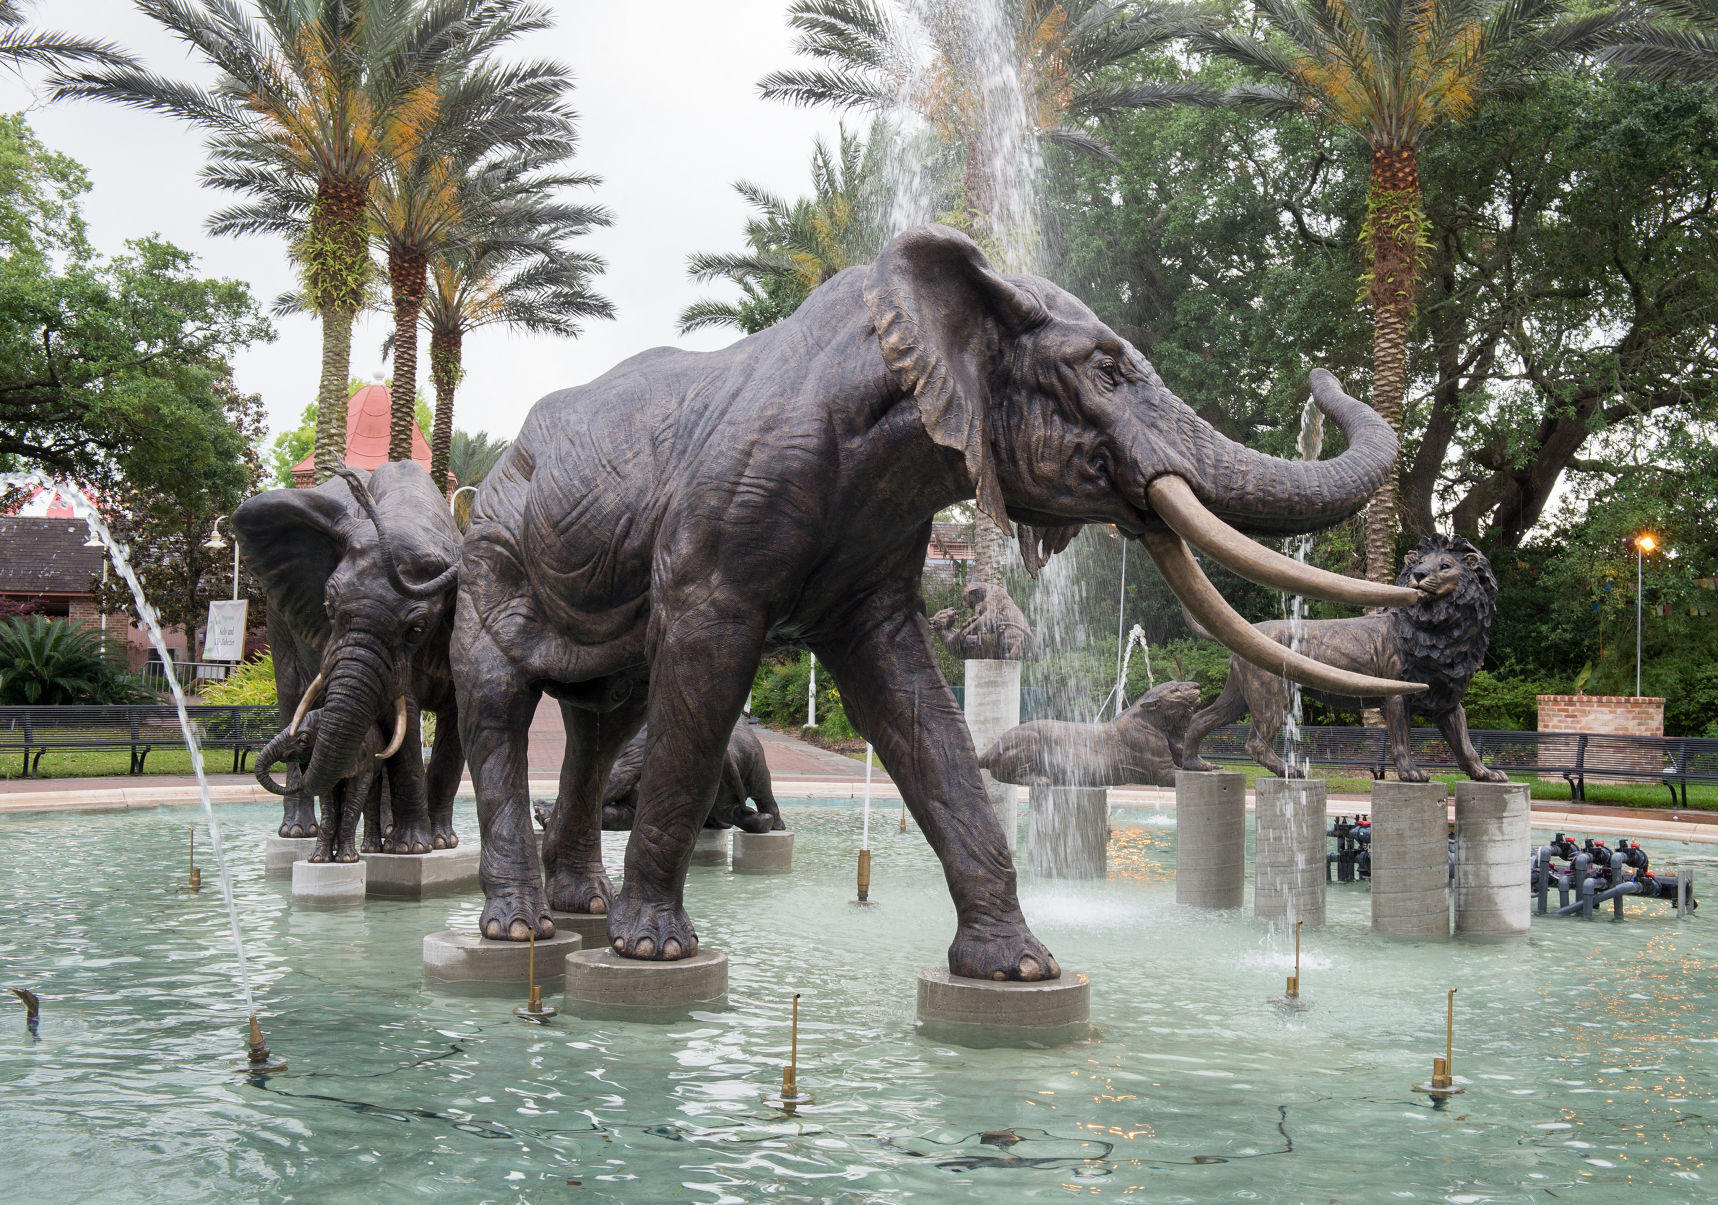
[(38, 48), (1682, 43), (312, 97), (1391, 72), (471, 456), (794, 248), (521, 275)]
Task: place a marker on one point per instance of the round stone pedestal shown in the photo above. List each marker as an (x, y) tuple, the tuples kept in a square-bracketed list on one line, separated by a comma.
[(1210, 838), (1411, 859), (1494, 847), (1289, 847), (328, 884), (452, 957), (1067, 832), (983, 1012), (600, 983), (279, 853), (711, 848), (592, 927), (763, 853)]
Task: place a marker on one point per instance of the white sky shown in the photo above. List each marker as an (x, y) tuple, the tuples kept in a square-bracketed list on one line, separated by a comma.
[(671, 117)]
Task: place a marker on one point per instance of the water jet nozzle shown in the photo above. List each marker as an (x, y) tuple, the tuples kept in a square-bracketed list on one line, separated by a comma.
[(790, 1097), (535, 1010), (1442, 1085), (1293, 989), (257, 1061), (864, 878), (32, 1008), (194, 882)]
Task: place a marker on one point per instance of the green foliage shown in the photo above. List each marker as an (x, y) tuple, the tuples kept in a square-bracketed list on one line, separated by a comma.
[(779, 697), (292, 446), (473, 455), (54, 662), (1506, 698), (251, 683)]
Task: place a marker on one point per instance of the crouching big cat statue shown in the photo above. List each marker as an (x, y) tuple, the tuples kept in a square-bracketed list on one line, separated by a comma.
[(651, 534)]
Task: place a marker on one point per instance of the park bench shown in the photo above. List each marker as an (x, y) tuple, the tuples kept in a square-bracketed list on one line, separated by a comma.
[(32, 732)]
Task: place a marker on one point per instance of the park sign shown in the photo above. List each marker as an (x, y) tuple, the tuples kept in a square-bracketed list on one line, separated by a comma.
[(225, 640)]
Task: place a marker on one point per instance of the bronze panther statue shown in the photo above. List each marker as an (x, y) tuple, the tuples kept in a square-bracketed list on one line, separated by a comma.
[(1439, 640), (1140, 747)]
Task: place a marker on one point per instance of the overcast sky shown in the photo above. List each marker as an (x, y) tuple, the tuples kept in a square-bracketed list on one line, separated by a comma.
[(671, 117)]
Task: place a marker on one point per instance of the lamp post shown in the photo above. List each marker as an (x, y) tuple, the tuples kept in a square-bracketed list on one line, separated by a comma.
[(454, 497), (215, 543), (1643, 544), (94, 542)]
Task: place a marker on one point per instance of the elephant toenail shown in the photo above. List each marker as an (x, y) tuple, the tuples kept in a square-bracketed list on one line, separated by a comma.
[(1055, 969), (694, 947), (519, 931), (671, 950), (620, 945), (598, 907), (1030, 970), (492, 930), (545, 929), (644, 949), (999, 976)]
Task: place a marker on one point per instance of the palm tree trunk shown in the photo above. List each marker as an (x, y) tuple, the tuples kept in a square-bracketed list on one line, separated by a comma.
[(331, 392), (989, 550), (1394, 220), (444, 373), (408, 278)]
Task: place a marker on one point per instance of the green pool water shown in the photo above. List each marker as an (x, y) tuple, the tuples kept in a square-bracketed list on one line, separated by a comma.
[(1589, 1051)]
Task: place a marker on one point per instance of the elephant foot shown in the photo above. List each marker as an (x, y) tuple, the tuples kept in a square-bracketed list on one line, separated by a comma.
[(758, 822), (510, 914), (347, 854), (581, 893), (372, 844), (442, 835), (1200, 766), (1001, 951), (1412, 774), (410, 835), (1487, 774), (299, 818), (655, 932)]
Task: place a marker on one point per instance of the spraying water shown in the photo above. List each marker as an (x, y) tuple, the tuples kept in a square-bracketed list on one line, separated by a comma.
[(1134, 637), (85, 510), (1309, 443)]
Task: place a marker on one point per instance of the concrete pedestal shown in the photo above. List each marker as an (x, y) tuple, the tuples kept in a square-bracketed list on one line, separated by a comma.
[(1210, 838), (327, 884), (763, 853), (1494, 845), (414, 876), (279, 853), (1289, 847), (983, 1012), (1067, 832), (592, 927), (711, 848), (1411, 859), (452, 957), (992, 708), (601, 983)]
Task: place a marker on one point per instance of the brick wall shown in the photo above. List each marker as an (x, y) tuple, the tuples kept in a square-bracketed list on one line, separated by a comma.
[(85, 612), (1620, 715)]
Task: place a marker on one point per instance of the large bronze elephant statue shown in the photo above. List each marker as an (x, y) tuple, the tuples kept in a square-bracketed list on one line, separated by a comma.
[(360, 576), (649, 535)]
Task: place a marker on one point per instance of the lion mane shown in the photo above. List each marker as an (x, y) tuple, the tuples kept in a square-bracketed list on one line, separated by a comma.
[(1443, 639)]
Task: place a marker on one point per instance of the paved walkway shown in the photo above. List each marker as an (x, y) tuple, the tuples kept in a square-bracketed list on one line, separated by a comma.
[(801, 771)]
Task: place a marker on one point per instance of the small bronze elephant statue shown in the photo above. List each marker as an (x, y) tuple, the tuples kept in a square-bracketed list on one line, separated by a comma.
[(745, 775)]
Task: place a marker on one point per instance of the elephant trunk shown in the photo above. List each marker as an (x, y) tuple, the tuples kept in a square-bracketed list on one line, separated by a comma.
[(279, 747), (1263, 495), (356, 693)]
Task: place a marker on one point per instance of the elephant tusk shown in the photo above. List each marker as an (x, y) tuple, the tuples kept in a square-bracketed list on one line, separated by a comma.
[(310, 693), (1175, 503), (399, 730), (1203, 602)]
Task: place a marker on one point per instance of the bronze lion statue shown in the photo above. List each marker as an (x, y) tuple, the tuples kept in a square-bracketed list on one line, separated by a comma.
[(1439, 640)]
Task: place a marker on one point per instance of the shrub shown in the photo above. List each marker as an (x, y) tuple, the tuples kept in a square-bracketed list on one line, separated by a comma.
[(779, 691), (251, 683), (55, 662)]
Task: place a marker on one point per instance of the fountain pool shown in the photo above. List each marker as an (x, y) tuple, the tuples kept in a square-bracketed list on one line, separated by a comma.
[(1589, 1051)]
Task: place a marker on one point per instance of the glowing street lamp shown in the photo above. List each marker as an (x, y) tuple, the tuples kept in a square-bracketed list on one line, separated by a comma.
[(1643, 544), (215, 543)]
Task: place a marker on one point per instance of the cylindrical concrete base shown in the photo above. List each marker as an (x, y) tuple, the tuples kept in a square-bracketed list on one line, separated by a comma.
[(602, 983), (711, 847), (763, 853), (983, 1012), (1289, 847), (1210, 838), (1067, 832), (328, 884), (1494, 846), (592, 927), (1411, 859), (279, 853), (468, 958), (992, 708)]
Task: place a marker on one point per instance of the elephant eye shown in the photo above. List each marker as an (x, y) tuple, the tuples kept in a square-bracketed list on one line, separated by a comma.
[(1110, 373)]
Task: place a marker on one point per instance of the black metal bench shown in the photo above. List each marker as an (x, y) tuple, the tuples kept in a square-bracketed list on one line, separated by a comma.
[(32, 732)]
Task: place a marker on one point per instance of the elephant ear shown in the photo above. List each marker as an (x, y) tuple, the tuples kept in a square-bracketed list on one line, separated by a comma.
[(293, 540), (941, 313), (1039, 544)]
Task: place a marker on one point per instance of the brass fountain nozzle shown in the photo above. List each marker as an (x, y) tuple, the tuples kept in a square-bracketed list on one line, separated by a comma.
[(1442, 1085), (903, 815), (535, 1010), (194, 880), (790, 1097), (32, 1008), (257, 1061), (864, 879), (1293, 989)]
